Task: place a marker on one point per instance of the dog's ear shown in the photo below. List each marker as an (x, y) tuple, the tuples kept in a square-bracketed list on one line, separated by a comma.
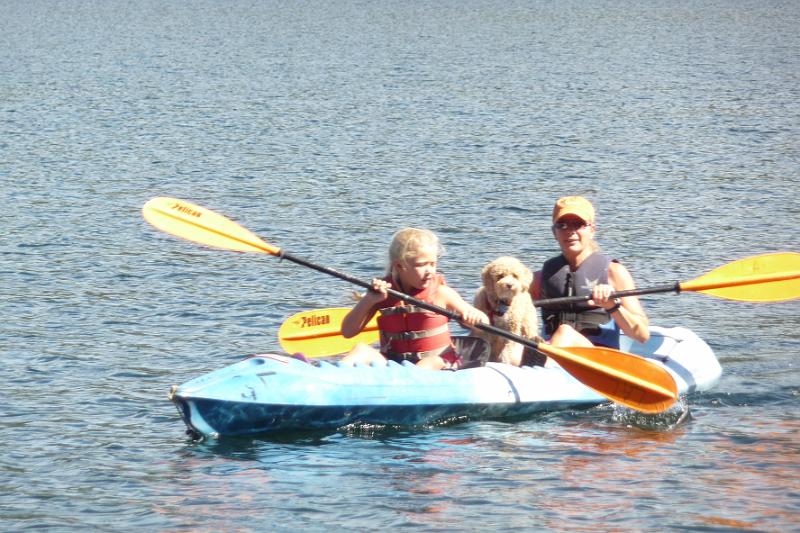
[(527, 277), (486, 274), (479, 301)]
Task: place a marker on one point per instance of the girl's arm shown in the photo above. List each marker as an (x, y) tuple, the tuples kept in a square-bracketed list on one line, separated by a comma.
[(365, 309), (454, 302)]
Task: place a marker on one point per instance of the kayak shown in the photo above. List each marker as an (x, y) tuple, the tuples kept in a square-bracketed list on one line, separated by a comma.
[(270, 393)]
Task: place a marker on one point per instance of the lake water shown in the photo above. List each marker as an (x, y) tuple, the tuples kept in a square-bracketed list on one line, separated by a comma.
[(323, 127)]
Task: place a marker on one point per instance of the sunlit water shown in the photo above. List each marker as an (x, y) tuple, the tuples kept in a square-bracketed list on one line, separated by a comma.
[(324, 127)]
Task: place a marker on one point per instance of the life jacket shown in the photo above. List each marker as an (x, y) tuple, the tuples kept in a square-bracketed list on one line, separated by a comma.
[(558, 281), (411, 333)]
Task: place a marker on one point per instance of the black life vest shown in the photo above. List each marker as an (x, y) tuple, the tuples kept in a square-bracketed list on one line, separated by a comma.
[(558, 281)]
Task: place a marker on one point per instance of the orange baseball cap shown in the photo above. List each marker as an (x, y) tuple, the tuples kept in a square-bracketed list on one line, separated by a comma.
[(573, 205)]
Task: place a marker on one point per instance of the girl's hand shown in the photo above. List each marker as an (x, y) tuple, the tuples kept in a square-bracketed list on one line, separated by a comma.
[(353, 323), (472, 316), (379, 290)]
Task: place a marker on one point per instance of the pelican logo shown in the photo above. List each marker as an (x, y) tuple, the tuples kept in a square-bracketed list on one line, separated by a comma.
[(590, 284), (315, 320), (177, 206)]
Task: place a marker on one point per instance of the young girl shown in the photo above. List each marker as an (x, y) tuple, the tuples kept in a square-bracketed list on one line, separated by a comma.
[(409, 333)]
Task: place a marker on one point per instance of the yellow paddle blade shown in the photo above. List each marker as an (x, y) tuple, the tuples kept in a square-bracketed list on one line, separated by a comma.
[(760, 278), (624, 378), (198, 224), (318, 333)]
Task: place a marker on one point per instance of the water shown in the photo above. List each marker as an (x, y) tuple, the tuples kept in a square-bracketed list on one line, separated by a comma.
[(324, 127)]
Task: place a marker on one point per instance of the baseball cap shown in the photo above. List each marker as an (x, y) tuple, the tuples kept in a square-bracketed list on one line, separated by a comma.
[(573, 205)]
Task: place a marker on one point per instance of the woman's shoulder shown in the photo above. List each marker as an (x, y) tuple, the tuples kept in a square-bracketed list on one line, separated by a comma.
[(618, 275), (555, 260)]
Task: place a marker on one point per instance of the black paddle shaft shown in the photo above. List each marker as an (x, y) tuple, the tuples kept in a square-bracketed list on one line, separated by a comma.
[(556, 302), (410, 299)]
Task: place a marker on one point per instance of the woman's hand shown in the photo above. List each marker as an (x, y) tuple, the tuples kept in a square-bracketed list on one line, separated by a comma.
[(601, 297)]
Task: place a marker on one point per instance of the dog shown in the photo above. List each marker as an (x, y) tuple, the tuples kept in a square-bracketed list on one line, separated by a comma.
[(505, 299)]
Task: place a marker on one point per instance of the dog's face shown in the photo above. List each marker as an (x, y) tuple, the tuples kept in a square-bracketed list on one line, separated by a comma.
[(505, 277)]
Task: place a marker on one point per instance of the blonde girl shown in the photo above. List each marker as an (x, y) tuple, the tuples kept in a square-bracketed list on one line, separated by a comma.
[(410, 333)]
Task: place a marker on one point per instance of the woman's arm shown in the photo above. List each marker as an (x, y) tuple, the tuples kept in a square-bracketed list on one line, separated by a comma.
[(536, 287), (630, 316)]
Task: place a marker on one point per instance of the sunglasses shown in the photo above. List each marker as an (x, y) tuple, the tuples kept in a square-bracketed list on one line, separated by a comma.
[(572, 225)]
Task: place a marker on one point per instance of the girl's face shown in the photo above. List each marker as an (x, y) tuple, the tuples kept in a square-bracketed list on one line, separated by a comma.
[(418, 270), (574, 235)]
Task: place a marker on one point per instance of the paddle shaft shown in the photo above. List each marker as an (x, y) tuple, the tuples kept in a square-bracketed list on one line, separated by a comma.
[(697, 285), (670, 287), (407, 298)]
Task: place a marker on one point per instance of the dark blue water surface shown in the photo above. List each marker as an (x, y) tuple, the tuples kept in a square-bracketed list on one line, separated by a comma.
[(323, 127)]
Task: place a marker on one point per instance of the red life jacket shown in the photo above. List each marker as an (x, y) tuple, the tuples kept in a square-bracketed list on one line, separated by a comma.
[(411, 333)]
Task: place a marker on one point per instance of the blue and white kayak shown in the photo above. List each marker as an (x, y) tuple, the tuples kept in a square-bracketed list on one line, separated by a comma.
[(271, 393)]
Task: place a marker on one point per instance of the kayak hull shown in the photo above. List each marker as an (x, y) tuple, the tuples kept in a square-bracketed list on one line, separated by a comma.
[(214, 418), (271, 393)]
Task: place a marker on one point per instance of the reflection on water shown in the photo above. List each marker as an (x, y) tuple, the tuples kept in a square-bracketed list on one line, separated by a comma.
[(209, 495), (584, 469)]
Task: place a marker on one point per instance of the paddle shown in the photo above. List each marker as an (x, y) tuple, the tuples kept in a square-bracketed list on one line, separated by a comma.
[(761, 278), (625, 378), (318, 333)]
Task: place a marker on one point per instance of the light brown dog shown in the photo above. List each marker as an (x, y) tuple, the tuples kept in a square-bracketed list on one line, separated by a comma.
[(504, 297)]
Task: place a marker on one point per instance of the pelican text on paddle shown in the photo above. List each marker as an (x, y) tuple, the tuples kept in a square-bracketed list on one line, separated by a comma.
[(315, 320), (187, 210)]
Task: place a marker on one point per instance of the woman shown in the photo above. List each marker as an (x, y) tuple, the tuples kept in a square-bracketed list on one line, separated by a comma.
[(582, 269)]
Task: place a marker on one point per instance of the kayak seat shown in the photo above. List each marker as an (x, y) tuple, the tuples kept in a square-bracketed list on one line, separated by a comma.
[(531, 357), (474, 351)]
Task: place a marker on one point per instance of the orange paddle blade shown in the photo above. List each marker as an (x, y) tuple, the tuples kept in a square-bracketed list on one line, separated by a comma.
[(760, 278), (317, 333), (624, 378), (198, 224)]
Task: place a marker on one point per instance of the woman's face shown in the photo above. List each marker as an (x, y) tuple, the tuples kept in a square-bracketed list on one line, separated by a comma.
[(574, 235), (418, 270)]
